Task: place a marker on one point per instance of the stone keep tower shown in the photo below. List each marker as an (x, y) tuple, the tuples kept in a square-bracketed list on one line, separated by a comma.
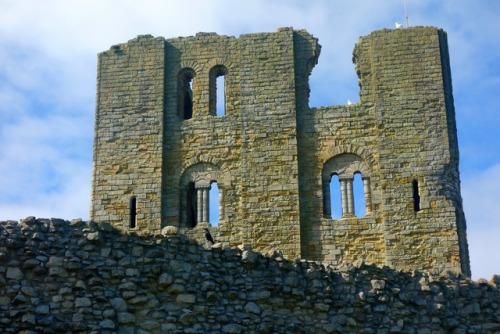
[(160, 146)]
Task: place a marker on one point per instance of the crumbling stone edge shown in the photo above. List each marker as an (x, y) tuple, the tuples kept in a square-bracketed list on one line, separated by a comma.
[(59, 276)]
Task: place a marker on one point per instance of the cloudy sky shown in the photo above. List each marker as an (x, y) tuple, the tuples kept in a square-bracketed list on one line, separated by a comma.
[(48, 53)]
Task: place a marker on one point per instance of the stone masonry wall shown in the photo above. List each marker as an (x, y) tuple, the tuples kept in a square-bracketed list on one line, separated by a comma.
[(402, 130), (58, 276), (129, 133), (272, 157)]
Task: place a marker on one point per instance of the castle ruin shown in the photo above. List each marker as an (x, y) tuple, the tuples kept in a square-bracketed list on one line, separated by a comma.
[(160, 145)]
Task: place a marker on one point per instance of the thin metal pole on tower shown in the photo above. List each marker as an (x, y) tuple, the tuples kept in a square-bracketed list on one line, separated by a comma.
[(406, 15)]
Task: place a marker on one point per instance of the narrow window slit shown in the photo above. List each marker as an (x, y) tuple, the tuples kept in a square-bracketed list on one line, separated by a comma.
[(416, 196), (133, 212)]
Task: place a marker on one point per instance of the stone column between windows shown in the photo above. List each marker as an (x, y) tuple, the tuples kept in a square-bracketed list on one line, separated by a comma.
[(344, 196), (205, 204), (350, 197), (199, 204), (368, 195)]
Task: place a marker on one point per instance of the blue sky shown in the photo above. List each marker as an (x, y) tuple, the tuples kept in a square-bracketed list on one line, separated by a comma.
[(48, 55)]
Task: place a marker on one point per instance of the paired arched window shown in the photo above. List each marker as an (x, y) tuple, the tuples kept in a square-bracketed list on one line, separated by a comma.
[(202, 204), (346, 187), (202, 189), (216, 94)]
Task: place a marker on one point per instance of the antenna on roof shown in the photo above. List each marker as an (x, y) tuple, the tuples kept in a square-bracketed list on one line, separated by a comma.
[(406, 15)]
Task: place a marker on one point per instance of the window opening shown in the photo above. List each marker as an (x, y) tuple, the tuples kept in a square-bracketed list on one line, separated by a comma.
[(416, 196), (335, 197), (218, 90), (213, 198), (359, 196), (220, 96), (186, 77), (133, 212), (191, 205)]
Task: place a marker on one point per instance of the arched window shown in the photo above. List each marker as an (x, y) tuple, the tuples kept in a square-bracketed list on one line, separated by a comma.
[(133, 212), (202, 187), (213, 203), (346, 187), (217, 90), (185, 93)]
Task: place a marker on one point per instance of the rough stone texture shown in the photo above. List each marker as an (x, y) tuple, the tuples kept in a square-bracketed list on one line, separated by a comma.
[(179, 286), (273, 157)]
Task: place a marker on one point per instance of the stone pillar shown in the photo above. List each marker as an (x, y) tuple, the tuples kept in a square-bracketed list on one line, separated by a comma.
[(199, 193), (350, 197), (205, 204), (368, 195), (343, 191)]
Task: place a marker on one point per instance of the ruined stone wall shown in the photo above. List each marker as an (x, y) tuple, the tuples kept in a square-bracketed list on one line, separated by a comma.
[(159, 141), (58, 276), (402, 131), (251, 150), (129, 133), (412, 108)]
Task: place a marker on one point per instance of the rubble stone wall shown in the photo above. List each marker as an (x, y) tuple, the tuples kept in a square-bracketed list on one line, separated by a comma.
[(58, 276)]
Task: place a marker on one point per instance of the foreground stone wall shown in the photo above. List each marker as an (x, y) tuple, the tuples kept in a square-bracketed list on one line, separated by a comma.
[(58, 276)]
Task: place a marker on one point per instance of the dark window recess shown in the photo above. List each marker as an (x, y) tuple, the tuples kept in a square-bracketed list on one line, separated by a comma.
[(191, 205), (133, 212), (188, 105), (416, 196), (185, 91)]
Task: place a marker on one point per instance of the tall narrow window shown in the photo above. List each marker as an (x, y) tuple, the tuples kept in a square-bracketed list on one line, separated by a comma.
[(214, 204), (218, 90), (359, 196), (335, 197), (185, 91), (191, 205), (220, 96), (133, 212), (416, 196)]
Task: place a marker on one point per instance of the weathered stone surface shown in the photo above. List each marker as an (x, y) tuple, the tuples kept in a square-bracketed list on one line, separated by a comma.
[(83, 302), (195, 290), (186, 298), (14, 273), (251, 307), (159, 147)]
